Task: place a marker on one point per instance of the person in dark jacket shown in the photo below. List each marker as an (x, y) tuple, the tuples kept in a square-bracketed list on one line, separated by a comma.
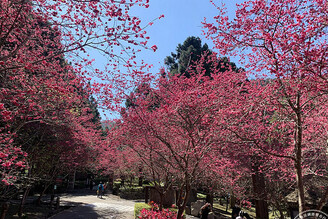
[(205, 210), (235, 212)]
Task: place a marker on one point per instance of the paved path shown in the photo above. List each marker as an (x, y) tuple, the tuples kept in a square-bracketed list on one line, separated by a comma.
[(91, 207), (88, 206)]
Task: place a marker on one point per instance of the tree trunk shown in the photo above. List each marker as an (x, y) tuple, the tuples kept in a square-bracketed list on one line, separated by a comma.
[(298, 163), (122, 180), (5, 207), (52, 200), (140, 180), (140, 177), (91, 184), (300, 186), (184, 202), (146, 194), (210, 198), (324, 197), (161, 198), (42, 193), (110, 180), (57, 203), (261, 206), (323, 200), (22, 203), (232, 201)]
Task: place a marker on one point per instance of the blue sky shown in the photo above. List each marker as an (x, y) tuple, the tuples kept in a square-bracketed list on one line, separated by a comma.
[(182, 19)]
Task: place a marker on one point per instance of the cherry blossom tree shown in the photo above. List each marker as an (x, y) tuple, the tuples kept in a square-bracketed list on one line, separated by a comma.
[(44, 49), (170, 128), (286, 42)]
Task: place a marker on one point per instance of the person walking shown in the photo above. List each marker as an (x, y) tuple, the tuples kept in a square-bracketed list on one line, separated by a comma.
[(100, 190)]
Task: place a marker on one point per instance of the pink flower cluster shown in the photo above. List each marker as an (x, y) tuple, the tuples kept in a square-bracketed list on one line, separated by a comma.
[(246, 204), (156, 214)]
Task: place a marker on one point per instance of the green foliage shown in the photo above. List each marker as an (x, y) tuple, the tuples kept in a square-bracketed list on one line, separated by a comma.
[(186, 54), (134, 192), (201, 196), (94, 110), (116, 187), (189, 53), (117, 183), (131, 189), (176, 210), (139, 206)]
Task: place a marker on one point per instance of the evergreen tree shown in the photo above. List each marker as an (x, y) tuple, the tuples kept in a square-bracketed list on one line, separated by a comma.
[(190, 52)]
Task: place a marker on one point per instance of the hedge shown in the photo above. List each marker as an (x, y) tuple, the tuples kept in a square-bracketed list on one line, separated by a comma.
[(136, 192)]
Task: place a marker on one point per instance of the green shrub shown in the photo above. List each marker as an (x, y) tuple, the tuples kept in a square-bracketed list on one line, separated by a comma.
[(176, 210), (117, 184), (136, 192), (138, 207), (201, 196), (116, 187)]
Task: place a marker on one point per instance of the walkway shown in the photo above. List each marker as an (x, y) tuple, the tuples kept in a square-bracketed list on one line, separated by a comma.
[(91, 207), (88, 206)]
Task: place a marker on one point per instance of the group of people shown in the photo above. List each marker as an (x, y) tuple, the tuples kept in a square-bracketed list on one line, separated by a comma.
[(237, 213)]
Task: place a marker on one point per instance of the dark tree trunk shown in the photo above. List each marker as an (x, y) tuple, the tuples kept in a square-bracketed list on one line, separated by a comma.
[(111, 180), (161, 198), (323, 200), (299, 179), (146, 194), (41, 194), (57, 203), (22, 203), (298, 151), (52, 200), (140, 180), (91, 184), (232, 201), (122, 180), (184, 200), (5, 207), (140, 176), (210, 198), (261, 206)]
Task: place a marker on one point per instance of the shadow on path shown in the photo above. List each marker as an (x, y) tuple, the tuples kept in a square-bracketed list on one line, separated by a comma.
[(89, 206)]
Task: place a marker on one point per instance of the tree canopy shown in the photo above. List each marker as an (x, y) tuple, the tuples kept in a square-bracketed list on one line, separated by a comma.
[(191, 51)]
